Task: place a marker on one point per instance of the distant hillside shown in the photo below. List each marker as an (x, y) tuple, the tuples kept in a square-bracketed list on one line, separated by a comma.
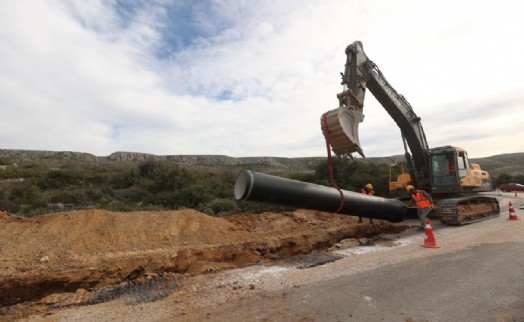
[(512, 164), (39, 182), (67, 158)]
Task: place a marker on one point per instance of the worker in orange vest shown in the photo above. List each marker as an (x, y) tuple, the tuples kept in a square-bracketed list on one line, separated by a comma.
[(367, 190), (423, 201)]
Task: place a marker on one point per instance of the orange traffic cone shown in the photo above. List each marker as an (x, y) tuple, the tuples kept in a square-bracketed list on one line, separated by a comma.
[(430, 241), (512, 215)]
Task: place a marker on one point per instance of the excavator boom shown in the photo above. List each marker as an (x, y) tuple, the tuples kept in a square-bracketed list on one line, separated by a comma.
[(440, 171), (361, 73)]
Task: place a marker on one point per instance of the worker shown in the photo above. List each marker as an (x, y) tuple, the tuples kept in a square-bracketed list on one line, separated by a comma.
[(367, 190), (451, 168), (451, 165), (423, 201)]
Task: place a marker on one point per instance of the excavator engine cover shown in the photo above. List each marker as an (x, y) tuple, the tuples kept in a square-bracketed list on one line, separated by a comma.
[(340, 126)]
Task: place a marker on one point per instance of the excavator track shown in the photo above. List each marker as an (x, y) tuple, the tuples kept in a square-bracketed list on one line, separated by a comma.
[(466, 210)]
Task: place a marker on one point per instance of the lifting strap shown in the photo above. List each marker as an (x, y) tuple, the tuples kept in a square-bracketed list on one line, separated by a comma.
[(330, 162)]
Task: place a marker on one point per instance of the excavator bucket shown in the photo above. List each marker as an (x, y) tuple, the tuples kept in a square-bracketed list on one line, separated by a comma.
[(340, 127)]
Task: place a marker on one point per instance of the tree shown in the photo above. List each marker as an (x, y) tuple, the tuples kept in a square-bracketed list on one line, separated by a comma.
[(352, 175), (503, 178)]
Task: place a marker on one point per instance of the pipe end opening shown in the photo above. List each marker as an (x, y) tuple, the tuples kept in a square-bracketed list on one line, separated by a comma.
[(243, 185)]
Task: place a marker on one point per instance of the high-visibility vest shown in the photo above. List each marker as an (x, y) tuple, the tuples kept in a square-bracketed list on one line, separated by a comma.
[(369, 193), (422, 202)]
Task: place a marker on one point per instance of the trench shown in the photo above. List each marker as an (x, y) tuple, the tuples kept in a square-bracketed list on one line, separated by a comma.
[(127, 275)]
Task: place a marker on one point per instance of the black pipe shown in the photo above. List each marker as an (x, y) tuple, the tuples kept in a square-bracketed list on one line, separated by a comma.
[(265, 188)]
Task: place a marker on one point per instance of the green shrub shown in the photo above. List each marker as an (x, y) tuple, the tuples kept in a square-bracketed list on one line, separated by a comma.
[(150, 185), (221, 206), (353, 175)]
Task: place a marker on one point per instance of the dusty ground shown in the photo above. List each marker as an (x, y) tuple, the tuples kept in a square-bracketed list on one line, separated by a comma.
[(59, 261)]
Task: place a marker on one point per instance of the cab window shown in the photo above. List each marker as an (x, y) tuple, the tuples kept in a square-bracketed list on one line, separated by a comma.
[(444, 170), (462, 163)]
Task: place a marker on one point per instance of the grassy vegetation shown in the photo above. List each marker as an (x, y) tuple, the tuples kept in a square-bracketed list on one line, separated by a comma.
[(35, 188)]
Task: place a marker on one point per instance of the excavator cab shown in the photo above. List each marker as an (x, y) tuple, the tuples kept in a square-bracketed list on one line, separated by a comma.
[(403, 179), (444, 169), (452, 172)]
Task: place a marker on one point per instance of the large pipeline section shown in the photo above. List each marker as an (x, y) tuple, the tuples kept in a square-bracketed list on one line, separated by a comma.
[(265, 188)]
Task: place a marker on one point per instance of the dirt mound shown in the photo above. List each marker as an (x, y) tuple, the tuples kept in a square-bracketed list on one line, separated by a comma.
[(72, 251), (82, 232), (5, 217)]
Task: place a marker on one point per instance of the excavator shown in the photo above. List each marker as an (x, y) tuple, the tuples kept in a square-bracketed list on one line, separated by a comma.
[(444, 172)]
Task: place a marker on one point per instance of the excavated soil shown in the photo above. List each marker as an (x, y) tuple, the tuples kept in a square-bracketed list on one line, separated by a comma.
[(87, 257)]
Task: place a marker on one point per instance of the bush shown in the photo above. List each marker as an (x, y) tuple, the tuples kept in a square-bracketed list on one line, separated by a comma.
[(208, 211), (218, 206), (353, 175), (60, 179), (149, 185), (27, 194)]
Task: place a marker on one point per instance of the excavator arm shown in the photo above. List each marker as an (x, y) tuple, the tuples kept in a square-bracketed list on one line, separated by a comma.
[(340, 126), (342, 123), (443, 171)]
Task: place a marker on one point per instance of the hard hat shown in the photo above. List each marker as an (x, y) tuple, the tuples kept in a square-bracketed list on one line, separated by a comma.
[(369, 185), (409, 187)]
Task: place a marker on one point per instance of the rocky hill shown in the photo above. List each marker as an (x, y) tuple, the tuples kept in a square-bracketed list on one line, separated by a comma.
[(512, 163), (66, 158)]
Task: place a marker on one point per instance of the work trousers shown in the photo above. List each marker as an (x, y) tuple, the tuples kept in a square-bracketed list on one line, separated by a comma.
[(423, 214)]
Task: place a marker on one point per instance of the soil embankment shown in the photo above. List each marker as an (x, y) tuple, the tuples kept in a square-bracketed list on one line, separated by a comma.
[(65, 257)]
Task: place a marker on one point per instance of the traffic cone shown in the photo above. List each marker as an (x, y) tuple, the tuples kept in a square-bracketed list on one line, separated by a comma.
[(512, 215), (430, 241)]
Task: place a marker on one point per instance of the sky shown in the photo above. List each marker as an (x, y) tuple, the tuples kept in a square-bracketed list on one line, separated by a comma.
[(252, 78)]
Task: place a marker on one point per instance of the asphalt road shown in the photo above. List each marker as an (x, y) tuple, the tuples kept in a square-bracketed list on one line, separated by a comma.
[(483, 283), (476, 275)]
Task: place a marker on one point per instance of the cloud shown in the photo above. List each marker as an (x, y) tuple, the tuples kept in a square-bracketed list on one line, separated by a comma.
[(248, 78)]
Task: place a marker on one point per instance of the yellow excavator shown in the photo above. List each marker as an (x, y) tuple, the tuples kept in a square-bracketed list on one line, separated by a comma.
[(444, 172)]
